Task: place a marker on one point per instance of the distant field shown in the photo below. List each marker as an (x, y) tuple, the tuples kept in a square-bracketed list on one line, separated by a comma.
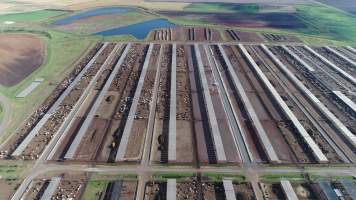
[(103, 22), (312, 20), (20, 55), (222, 8), (279, 2), (247, 20), (18, 6), (327, 22), (346, 5), (31, 16)]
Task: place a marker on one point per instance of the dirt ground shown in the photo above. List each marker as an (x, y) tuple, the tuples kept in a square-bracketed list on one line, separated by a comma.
[(244, 191), (280, 38), (242, 36), (71, 187), (20, 55), (7, 188)]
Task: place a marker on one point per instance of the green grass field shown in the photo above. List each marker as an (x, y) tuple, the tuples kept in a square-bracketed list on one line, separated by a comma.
[(35, 16), (222, 8), (179, 176), (94, 189), (218, 177), (278, 177), (13, 169), (327, 22)]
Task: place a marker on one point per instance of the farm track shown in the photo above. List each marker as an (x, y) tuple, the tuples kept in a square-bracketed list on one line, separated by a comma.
[(6, 112)]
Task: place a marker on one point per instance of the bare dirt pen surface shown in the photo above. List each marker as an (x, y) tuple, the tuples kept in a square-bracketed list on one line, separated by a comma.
[(201, 34), (244, 191), (7, 188), (20, 55), (280, 38)]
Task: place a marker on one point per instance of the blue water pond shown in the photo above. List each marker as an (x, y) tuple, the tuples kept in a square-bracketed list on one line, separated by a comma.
[(139, 30)]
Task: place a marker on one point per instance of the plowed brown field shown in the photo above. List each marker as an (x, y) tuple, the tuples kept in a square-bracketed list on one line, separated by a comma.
[(20, 55)]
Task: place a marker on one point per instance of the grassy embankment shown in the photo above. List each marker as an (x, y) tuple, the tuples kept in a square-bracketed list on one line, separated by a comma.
[(295, 177), (94, 188), (13, 169), (62, 51), (1, 113)]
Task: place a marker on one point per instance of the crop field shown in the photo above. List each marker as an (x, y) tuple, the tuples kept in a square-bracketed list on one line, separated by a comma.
[(19, 61)]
